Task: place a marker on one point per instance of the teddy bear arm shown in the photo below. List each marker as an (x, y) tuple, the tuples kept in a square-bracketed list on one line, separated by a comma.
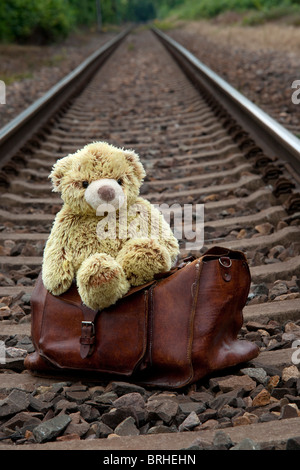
[(58, 270), (142, 258), (168, 240), (158, 228)]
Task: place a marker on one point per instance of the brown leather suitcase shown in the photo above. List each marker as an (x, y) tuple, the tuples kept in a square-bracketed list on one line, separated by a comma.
[(168, 333)]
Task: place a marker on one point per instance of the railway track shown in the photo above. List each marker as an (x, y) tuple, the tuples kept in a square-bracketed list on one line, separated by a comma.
[(197, 147)]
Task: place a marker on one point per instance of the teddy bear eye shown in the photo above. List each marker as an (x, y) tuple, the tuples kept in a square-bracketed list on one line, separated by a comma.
[(120, 181), (85, 184)]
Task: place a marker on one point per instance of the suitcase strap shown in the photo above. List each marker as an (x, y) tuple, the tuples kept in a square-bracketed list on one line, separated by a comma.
[(87, 339)]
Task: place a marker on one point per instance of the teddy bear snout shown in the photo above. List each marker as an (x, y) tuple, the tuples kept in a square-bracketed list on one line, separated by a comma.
[(107, 193)]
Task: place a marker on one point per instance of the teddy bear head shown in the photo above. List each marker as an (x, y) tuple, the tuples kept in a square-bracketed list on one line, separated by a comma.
[(98, 176)]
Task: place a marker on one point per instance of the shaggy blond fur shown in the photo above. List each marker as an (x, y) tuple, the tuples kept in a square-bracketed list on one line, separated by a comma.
[(104, 268)]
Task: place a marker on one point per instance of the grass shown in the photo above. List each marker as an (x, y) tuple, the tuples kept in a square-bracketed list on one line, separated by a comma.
[(253, 12), (55, 60), (21, 62), (15, 77), (263, 36), (165, 25), (291, 15)]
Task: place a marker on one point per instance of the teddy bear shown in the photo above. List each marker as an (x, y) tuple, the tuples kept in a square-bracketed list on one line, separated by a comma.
[(106, 237)]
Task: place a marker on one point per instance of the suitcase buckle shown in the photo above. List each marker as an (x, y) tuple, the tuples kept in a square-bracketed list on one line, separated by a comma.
[(89, 323)]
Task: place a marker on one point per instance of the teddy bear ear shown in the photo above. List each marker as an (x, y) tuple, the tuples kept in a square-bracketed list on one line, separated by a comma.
[(59, 170), (134, 160)]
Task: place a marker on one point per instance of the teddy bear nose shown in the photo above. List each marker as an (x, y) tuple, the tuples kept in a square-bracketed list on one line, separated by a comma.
[(106, 193)]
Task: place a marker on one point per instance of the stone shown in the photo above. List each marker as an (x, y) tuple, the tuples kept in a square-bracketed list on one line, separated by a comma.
[(228, 412), (200, 444), (23, 419), (290, 327), (273, 382), (103, 430), (266, 417), (96, 390), (121, 388), (235, 382), (65, 405), (237, 402), (211, 197), (209, 424), (222, 441), (289, 411), (89, 413), (77, 387), (41, 389), (77, 425), (16, 401), (241, 420), (246, 444), (190, 422), (256, 373), (241, 234), (265, 228), (262, 398), (293, 443), (204, 397), (281, 392), (106, 398), (79, 396), (51, 428), (189, 407), (279, 288), (225, 398), (113, 436), (47, 396), (130, 399), (275, 251), (293, 399), (160, 428), (252, 417), (290, 372), (115, 416), (127, 428), (68, 437), (260, 289), (162, 409), (135, 402), (39, 405), (58, 387), (208, 414)]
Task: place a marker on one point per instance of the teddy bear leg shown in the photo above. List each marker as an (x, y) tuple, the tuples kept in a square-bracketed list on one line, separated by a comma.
[(101, 281), (142, 258)]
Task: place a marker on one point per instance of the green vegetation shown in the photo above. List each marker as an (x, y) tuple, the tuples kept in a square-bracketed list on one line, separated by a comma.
[(44, 21), (35, 20), (289, 11), (264, 9)]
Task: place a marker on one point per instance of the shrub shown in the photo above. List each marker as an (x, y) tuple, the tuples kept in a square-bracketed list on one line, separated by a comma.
[(38, 21)]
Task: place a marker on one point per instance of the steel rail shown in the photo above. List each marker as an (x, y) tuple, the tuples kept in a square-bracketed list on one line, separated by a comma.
[(271, 136), (21, 129)]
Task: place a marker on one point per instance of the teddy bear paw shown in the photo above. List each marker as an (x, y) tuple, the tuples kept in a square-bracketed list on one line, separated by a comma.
[(101, 281), (142, 258)]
